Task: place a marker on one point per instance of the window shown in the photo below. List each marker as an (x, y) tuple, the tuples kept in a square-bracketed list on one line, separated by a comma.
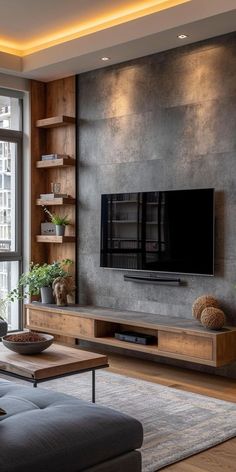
[(10, 199)]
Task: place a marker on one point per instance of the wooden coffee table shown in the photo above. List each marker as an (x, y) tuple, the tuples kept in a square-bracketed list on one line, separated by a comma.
[(55, 362)]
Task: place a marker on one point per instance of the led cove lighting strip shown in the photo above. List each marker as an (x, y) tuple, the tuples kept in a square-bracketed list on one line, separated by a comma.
[(93, 26)]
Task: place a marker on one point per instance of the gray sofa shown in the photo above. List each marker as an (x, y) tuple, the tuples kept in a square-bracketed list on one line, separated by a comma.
[(49, 431)]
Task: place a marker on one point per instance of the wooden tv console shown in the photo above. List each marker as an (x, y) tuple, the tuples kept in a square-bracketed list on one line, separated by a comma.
[(176, 338)]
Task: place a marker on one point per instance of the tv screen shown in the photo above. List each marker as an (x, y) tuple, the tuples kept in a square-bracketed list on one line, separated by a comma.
[(166, 231)]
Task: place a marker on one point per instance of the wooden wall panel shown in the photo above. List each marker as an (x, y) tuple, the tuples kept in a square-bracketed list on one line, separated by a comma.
[(49, 100)]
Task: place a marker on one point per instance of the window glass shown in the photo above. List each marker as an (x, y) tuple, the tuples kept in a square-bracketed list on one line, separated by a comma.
[(10, 113), (9, 276), (8, 196)]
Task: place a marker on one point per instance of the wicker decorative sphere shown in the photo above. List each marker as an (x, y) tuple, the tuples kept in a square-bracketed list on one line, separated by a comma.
[(201, 303), (213, 318)]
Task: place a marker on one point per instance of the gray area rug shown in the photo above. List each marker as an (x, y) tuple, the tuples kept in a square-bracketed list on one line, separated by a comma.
[(176, 424)]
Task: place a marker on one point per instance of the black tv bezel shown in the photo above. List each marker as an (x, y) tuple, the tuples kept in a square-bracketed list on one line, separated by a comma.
[(153, 272)]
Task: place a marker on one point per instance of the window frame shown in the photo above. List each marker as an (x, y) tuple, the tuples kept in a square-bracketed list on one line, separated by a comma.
[(16, 137)]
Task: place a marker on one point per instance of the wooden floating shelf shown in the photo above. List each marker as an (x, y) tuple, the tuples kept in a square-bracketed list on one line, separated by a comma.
[(55, 121), (55, 201), (55, 163), (43, 238)]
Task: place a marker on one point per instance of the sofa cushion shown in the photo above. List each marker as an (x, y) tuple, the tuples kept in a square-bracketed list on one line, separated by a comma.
[(44, 429)]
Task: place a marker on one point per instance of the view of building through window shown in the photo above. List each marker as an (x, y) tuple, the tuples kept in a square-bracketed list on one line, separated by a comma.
[(10, 113), (7, 195), (10, 119)]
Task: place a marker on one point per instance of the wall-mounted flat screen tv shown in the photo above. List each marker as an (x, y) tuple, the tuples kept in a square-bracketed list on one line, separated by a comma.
[(163, 231)]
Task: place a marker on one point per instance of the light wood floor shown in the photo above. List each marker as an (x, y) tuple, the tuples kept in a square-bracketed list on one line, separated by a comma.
[(221, 458)]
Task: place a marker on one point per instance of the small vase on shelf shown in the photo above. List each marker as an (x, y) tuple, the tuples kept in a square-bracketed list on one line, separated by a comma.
[(47, 295), (60, 230)]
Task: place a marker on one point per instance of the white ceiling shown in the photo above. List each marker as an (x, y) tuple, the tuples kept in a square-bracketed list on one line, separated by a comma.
[(56, 38)]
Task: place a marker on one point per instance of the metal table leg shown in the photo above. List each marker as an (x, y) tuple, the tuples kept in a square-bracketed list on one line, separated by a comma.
[(93, 386), (35, 384)]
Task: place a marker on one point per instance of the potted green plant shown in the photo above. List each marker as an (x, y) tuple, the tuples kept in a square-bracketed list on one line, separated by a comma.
[(3, 322), (59, 221), (39, 280)]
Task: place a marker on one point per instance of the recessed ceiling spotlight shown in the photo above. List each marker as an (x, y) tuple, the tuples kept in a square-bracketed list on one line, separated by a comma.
[(105, 58), (182, 36)]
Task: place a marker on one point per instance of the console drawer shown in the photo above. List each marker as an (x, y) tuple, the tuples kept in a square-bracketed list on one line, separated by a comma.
[(58, 323), (185, 344)]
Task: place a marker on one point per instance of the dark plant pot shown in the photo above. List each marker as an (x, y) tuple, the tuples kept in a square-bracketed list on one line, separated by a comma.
[(60, 230), (3, 328), (47, 295)]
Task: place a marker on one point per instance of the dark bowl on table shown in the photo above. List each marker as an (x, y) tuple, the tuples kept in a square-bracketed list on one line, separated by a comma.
[(27, 343)]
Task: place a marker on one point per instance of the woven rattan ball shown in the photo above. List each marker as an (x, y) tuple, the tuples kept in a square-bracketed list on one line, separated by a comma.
[(201, 303), (213, 318)]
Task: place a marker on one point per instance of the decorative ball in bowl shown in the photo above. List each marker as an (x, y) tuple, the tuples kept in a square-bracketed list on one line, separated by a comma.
[(27, 343)]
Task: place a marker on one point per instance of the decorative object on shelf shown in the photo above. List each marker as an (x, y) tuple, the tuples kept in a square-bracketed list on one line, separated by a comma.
[(28, 343), (59, 221), (48, 228), (55, 187), (55, 192), (60, 229), (212, 318), (50, 157), (51, 196), (46, 294), (3, 322), (62, 286), (201, 303), (38, 278)]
